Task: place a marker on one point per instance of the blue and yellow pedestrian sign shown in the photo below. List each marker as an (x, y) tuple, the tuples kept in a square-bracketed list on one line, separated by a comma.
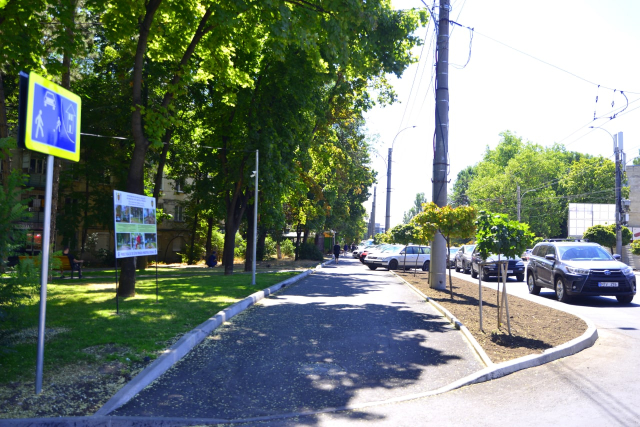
[(53, 119)]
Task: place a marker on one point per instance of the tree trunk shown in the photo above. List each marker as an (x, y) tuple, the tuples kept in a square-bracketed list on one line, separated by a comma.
[(85, 214), (194, 229), (161, 162), (136, 167), (260, 250), (208, 245), (4, 132), (297, 252), (57, 163), (236, 206)]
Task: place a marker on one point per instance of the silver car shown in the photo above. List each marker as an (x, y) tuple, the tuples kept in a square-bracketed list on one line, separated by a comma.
[(405, 257), (463, 258), (452, 257)]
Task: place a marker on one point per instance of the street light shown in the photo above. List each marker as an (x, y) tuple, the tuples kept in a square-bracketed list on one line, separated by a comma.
[(255, 224), (520, 196), (617, 151), (387, 219)]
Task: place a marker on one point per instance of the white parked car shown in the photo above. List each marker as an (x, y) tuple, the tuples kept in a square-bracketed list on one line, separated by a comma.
[(400, 256)]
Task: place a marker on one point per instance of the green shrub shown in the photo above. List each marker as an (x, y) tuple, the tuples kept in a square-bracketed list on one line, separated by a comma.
[(310, 251), (18, 286), (269, 248), (241, 247), (635, 247), (287, 248)]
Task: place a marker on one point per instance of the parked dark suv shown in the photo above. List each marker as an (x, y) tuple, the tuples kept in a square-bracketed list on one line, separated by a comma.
[(579, 268), (489, 267)]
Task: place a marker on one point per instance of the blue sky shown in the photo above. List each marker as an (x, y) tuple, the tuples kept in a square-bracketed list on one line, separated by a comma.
[(583, 44)]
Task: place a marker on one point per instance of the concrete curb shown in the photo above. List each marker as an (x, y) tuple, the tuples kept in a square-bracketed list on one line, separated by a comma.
[(494, 371), (458, 325), (188, 341)]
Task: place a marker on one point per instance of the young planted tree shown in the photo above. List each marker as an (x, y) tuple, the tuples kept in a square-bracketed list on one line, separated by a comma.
[(405, 234), (498, 235), (451, 223), (425, 231)]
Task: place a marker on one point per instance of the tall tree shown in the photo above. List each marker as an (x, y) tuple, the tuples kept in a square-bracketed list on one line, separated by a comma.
[(458, 196), (415, 209)]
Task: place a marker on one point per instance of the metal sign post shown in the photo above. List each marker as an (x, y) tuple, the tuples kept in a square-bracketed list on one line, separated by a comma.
[(44, 274), (49, 123)]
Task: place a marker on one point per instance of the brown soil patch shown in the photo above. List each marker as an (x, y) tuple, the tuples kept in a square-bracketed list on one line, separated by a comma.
[(534, 327)]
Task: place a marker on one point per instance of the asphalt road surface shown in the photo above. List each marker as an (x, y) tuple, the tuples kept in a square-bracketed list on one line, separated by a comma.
[(343, 336)]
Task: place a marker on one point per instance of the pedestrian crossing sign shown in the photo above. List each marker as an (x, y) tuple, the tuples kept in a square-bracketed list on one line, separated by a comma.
[(53, 119)]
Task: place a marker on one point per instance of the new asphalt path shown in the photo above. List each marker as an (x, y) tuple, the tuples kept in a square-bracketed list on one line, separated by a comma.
[(341, 337)]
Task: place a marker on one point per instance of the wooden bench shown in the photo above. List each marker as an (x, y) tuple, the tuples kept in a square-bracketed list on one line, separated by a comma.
[(65, 265)]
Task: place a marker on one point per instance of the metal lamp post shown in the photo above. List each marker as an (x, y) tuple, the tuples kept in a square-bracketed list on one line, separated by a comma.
[(387, 219), (255, 225), (617, 151)]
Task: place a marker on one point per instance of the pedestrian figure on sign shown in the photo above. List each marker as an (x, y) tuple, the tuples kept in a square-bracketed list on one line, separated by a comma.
[(58, 125), (336, 251), (39, 124)]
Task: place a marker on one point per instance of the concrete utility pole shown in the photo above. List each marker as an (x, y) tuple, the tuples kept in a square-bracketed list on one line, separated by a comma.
[(387, 218), (617, 149), (372, 232), (438, 279)]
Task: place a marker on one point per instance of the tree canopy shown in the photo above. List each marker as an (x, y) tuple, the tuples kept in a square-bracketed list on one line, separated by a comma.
[(193, 89), (549, 178)]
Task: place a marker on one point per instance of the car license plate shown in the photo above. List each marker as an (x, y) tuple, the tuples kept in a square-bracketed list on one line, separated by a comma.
[(608, 284), (509, 271)]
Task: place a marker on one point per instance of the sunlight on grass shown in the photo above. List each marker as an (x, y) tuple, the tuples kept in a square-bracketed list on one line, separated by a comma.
[(86, 311)]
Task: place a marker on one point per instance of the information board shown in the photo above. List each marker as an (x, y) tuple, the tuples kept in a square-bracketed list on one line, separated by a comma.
[(53, 119), (135, 224), (585, 215)]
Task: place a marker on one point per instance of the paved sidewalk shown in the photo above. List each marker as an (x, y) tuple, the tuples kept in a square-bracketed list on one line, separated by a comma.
[(342, 337)]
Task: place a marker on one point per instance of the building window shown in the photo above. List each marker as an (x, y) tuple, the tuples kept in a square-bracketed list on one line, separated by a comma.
[(38, 166), (179, 185), (178, 214)]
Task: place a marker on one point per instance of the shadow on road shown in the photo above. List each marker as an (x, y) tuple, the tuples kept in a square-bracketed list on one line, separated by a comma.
[(288, 357)]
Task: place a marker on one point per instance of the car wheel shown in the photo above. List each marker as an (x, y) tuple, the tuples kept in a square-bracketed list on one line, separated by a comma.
[(520, 277), (393, 264), (624, 299), (473, 273), (561, 291), (372, 267), (457, 268), (531, 284), (425, 266)]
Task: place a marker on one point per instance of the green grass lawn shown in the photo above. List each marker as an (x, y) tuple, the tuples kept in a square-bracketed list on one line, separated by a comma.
[(82, 314)]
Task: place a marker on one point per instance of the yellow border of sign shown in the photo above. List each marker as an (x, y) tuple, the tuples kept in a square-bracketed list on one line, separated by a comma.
[(45, 148)]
